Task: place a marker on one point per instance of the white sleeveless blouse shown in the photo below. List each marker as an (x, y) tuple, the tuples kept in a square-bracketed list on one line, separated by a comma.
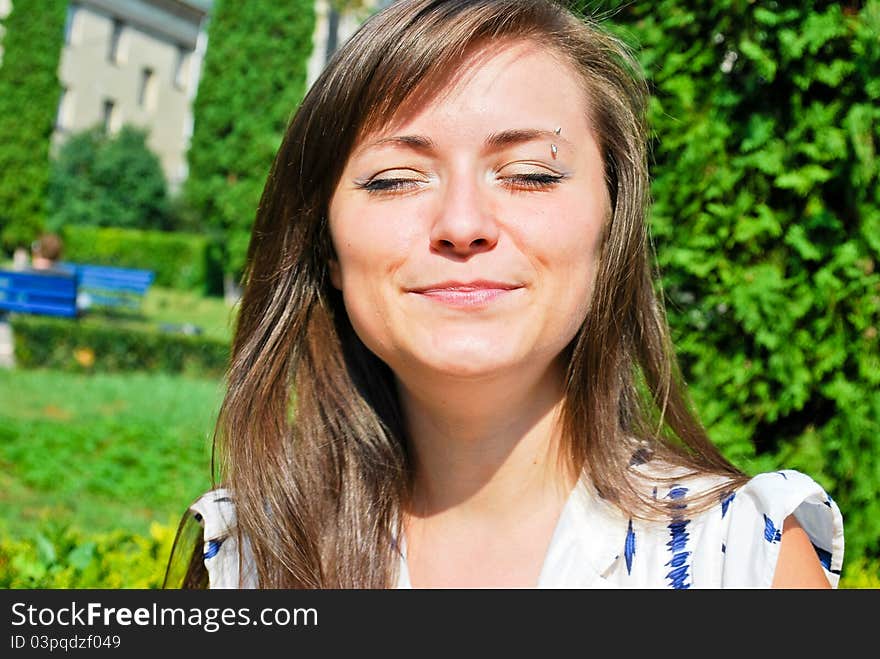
[(732, 545)]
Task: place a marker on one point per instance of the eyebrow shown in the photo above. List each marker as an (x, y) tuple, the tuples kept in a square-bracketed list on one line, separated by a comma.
[(415, 142), (499, 140), (520, 135)]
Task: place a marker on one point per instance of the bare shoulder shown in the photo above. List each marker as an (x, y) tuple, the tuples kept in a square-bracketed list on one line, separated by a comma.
[(797, 565)]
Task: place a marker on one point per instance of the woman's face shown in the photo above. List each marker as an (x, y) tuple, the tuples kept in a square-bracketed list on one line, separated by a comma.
[(466, 232)]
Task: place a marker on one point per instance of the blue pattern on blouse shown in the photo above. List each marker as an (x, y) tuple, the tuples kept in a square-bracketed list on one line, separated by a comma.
[(678, 576), (213, 548), (725, 502), (824, 557), (629, 547), (678, 492), (771, 533)]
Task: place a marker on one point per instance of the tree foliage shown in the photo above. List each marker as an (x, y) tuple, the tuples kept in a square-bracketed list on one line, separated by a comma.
[(29, 95), (254, 78), (766, 220), (108, 181)]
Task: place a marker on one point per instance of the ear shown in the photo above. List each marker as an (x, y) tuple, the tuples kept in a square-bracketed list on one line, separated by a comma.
[(335, 273)]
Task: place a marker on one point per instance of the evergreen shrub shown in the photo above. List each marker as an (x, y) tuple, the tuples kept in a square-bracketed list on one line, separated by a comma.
[(253, 80), (29, 95), (109, 181), (766, 220)]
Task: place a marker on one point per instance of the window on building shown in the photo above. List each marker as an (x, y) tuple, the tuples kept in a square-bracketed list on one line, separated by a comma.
[(115, 38), (146, 91), (111, 116), (181, 67)]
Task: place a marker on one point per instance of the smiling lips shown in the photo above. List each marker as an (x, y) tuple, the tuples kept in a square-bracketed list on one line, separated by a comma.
[(466, 294)]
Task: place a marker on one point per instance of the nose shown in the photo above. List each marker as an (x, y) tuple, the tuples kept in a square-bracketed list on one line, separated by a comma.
[(465, 223)]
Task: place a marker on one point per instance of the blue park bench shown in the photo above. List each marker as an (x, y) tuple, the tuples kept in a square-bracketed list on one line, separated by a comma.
[(108, 286), (47, 293), (71, 288)]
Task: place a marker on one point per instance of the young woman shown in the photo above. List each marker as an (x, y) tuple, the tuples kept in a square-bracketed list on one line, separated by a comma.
[(450, 367)]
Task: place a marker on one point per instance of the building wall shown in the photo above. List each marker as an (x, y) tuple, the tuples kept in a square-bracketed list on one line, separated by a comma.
[(150, 81)]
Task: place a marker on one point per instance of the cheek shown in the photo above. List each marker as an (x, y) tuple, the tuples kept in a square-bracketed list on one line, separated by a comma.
[(371, 248), (369, 251), (566, 244), (566, 252), (372, 239), (578, 277)]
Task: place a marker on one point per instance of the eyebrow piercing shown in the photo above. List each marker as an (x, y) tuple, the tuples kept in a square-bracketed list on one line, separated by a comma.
[(553, 150), (558, 130)]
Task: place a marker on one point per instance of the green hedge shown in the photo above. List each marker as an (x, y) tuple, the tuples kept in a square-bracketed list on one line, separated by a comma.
[(766, 181), (180, 260), (97, 344)]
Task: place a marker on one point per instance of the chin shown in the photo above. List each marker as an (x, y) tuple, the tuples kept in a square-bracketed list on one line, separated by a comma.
[(470, 357), (469, 370)]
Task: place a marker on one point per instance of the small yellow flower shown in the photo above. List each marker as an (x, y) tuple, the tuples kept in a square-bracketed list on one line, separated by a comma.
[(84, 357)]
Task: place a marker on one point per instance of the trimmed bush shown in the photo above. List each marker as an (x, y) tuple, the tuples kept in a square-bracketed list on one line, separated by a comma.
[(180, 260), (96, 344)]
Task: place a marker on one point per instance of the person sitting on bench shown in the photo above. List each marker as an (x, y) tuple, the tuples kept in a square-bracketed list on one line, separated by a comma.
[(46, 253)]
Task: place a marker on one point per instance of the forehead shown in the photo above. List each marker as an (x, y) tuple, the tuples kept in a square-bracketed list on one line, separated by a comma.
[(518, 81)]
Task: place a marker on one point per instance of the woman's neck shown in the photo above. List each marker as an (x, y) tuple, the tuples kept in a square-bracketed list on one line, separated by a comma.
[(486, 450)]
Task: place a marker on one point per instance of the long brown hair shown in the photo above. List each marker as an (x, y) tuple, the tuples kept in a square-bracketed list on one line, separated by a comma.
[(310, 435)]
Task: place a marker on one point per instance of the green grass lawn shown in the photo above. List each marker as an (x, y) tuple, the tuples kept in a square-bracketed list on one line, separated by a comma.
[(212, 314), (102, 452), (167, 306)]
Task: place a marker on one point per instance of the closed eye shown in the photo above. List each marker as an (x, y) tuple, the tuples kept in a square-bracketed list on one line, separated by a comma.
[(532, 181), (521, 181), (386, 181), (388, 184)]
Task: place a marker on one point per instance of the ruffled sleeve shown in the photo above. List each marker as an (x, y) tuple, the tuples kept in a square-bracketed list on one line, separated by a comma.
[(216, 513), (756, 513)]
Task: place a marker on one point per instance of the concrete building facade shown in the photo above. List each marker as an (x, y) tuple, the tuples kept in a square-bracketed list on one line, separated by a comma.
[(134, 62)]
